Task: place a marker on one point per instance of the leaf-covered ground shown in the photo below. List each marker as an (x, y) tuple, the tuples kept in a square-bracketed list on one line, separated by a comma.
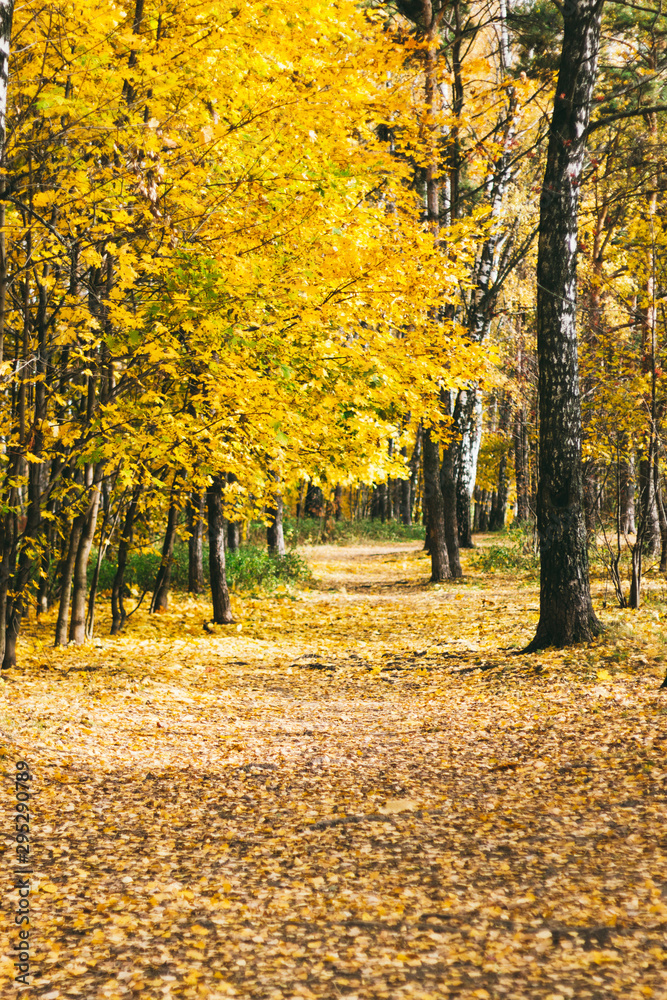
[(354, 792)]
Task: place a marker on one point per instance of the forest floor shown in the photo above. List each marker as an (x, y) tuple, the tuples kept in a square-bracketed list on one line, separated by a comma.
[(354, 792)]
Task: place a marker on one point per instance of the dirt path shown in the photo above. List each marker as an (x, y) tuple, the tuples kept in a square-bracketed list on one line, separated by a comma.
[(355, 792)]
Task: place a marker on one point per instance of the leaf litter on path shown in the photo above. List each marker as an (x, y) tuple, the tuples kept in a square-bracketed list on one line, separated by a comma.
[(360, 794)]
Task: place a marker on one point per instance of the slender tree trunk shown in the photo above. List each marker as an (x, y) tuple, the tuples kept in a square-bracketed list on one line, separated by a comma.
[(627, 490), (448, 487), (77, 625), (222, 609), (468, 430), (233, 536), (499, 508), (160, 600), (435, 510), (195, 523), (566, 609), (118, 613), (66, 576), (274, 532), (521, 471), (649, 509)]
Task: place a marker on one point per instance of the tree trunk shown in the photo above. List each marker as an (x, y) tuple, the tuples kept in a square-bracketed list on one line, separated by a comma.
[(222, 609), (195, 523), (468, 429), (77, 625), (274, 532), (591, 498), (233, 536), (649, 509), (314, 504), (118, 613), (435, 510), (448, 487), (521, 466), (627, 487), (66, 575), (160, 600), (566, 609), (499, 507)]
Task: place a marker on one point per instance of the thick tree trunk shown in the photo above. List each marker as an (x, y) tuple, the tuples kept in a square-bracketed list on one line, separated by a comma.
[(77, 625), (118, 613), (222, 609), (435, 511), (195, 523), (274, 533), (566, 609), (160, 600)]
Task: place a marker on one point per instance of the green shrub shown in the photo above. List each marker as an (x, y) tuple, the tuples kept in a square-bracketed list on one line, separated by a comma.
[(249, 568), (515, 554)]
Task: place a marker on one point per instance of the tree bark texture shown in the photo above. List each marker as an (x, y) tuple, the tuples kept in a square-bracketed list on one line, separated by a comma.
[(222, 609), (77, 625), (275, 538), (448, 487), (566, 609), (160, 600), (195, 523), (521, 465), (118, 613), (435, 511), (468, 428)]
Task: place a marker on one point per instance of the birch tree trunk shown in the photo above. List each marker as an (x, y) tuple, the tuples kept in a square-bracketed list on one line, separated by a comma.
[(566, 609)]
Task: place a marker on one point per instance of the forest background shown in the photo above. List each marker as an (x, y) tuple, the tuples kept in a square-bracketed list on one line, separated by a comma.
[(268, 259)]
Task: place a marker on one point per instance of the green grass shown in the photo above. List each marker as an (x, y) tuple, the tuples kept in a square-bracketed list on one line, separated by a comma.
[(514, 553), (315, 531), (248, 569)]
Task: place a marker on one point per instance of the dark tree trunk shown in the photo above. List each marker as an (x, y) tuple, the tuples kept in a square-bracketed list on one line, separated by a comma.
[(160, 600), (435, 510), (274, 533), (77, 625), (591, 498), (233, 536), (448, 487), (338, 502), (66, 575), (222, 609), (521, 466), (195, 524), (484, 506), (118, 613), (566, 609), (499, 506), (314, 504), (649, 509)]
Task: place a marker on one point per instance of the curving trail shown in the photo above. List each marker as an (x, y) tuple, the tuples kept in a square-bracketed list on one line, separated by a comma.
[(358, 794)]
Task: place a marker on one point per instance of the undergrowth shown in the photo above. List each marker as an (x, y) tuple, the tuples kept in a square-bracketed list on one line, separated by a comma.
[(248, 569), (514, 553)]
